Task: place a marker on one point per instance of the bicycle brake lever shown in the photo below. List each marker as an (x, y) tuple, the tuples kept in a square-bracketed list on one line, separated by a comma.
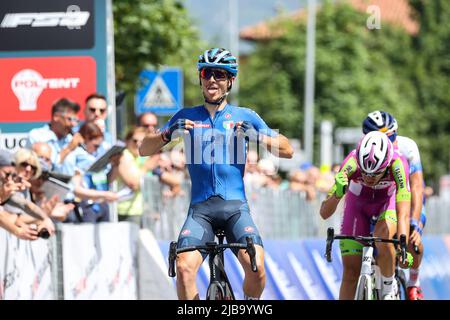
[(252, 253), (172, 257), (330, 238), (403, 247)]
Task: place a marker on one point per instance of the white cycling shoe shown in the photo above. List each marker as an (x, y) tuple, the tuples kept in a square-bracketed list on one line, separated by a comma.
[(390, 296), (393, 295)]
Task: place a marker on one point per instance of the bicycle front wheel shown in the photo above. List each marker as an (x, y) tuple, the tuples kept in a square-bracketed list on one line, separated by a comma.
[(215, 292), (364, 289), (401, 288)]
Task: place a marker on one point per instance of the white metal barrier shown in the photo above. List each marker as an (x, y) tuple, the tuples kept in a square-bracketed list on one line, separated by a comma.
[(85, 261), (278, 214)]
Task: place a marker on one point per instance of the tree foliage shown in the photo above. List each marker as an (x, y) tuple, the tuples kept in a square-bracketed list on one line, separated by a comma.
[(357, 70), (154, 34)]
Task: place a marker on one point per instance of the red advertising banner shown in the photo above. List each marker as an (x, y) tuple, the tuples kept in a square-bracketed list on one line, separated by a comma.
[(29, 86)]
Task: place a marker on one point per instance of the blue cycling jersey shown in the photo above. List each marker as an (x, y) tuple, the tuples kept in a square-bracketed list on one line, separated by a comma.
[(215, 155)]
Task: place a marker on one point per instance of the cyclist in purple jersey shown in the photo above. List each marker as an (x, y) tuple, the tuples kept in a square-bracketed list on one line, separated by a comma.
[(384, 122), (376, 179), (216, 136)]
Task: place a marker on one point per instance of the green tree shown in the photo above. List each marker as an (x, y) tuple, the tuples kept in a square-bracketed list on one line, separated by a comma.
[(431, 77), (357, 71), (153, 34)]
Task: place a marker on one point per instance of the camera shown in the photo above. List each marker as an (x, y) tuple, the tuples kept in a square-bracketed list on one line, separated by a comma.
[(44, 234)]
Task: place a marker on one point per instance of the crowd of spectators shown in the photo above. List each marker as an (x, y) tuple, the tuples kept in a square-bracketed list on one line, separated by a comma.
[(50, 181), (60, 153)]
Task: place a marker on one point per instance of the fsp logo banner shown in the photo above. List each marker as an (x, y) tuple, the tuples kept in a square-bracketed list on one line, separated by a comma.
[(46, 25)]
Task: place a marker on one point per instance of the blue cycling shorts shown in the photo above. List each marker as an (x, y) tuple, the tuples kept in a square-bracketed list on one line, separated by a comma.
[(205, 218)]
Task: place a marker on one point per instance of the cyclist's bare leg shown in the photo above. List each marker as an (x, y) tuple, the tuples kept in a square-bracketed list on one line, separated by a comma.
[(350, 275), (386, 253), (254, 282), (188, 264)]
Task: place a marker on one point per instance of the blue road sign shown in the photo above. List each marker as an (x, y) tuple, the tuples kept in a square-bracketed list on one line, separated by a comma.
[(160, 92)]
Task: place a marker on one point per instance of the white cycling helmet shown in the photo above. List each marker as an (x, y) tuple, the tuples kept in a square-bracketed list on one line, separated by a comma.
[(374, 152)]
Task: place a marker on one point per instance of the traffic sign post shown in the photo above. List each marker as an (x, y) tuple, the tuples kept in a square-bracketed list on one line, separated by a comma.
[(161, 92)]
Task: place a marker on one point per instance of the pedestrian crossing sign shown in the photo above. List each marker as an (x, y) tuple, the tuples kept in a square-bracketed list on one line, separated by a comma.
[(160, 92)]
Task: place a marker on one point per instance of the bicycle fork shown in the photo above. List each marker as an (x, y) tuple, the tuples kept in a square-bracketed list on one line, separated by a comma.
[(370, 272)]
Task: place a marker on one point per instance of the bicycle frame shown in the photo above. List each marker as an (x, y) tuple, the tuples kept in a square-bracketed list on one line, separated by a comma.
[(218, 277), (369, 281)]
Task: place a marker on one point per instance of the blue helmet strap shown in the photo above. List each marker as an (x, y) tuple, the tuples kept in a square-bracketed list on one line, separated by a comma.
[(393, 136)]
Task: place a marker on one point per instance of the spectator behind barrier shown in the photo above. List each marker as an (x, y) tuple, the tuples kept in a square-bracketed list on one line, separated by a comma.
[(58, 133), (148, 120), (130, 172), (96, 110), (15, 174), (54, 207), (92, 188)]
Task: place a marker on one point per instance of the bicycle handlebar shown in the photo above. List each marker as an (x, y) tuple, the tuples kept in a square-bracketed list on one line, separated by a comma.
[(369, 240), (211, 247)]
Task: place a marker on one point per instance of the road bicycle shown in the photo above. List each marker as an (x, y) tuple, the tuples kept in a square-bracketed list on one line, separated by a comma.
[(219, 286), (369, 282)]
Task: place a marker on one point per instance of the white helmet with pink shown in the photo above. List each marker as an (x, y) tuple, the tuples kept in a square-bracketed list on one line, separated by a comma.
[(374, 152)]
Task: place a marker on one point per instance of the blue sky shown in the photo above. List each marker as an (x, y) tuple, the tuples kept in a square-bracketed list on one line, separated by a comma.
[(212, 16)]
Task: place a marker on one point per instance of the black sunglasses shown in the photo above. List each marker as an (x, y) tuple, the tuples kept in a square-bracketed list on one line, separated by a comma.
[(218, 74), (26, 164), (93, 110), (375, 174)]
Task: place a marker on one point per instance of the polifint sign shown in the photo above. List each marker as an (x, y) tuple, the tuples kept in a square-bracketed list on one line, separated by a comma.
[(30, 86)]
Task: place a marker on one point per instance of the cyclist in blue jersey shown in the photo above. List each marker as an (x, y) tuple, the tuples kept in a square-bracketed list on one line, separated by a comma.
[(216, 136)]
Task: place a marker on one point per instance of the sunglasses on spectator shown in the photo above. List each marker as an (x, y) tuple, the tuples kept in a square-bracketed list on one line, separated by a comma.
[(26, 164), (218, 74), (13, 176), (94, 110), (148, 125), (70, 118)]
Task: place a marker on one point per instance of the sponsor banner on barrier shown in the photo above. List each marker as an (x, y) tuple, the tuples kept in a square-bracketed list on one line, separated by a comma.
[(31, 85), (25, 271), (97, 263), (297, 270), (81, 254), (435, 268), (117, 265)]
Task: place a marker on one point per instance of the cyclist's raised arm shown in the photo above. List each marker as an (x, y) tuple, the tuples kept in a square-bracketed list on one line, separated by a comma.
[(278, 146), (400, 170), (152, 143), (348, 168), (257, 130)]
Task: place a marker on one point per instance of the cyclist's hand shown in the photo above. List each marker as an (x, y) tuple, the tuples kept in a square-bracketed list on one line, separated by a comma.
[(416, 232), (247, 129), (341, 181), (408, 262), (180, 124), (415, 238)]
